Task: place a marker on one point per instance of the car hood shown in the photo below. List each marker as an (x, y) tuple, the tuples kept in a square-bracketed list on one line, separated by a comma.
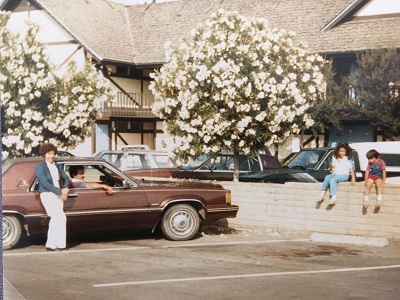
[(261, 174), (149, 170), (181, 184)]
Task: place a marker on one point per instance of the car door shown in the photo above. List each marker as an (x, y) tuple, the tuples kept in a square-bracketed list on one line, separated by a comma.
[(323, 168), (94, 209), (219, 168)]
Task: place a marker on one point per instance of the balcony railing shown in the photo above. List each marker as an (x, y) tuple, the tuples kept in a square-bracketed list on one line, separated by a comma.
[(129, 105)]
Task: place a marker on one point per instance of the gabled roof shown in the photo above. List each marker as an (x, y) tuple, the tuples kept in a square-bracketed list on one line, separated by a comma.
[(342, 15), (137, 34)]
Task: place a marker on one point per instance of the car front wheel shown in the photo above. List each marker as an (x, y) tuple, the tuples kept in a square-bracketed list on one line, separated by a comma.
[(180, 222), (12, 231)]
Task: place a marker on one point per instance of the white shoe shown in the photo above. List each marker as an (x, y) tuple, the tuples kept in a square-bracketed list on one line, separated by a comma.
[(365, 204), (332, 200), (378, 204)]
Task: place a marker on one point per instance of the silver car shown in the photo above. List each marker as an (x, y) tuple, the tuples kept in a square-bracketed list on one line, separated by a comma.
[(137, 159)]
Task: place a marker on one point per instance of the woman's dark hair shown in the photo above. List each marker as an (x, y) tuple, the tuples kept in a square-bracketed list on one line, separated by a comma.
[(45, 148), (349, 151)]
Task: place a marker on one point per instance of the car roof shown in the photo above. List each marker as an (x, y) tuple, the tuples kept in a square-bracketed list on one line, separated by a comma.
[(58, 159), (139, 151), (320, 148), (78, 160)]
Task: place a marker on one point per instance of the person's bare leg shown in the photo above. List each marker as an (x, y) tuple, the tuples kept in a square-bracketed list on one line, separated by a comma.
[(379, 189), (368, 183)]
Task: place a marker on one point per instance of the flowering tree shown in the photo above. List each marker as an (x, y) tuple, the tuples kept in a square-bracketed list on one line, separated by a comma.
[(235, 84), (74, 105), (38, 106)]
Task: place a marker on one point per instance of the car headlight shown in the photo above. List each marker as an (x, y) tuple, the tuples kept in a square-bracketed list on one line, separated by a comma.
[(228, 198)]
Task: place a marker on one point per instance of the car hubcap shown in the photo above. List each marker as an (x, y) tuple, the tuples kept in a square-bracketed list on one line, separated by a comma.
[(181, 222), (7, 230)]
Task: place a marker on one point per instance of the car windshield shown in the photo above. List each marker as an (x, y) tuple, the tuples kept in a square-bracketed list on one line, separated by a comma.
[(193, 164), (5, 165), (307, 159), (164, 161)]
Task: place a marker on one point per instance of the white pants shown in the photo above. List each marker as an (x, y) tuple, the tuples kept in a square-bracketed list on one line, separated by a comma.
[(57, 234)]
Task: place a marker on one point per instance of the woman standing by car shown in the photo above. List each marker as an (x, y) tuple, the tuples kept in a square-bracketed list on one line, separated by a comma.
[(53, 189)]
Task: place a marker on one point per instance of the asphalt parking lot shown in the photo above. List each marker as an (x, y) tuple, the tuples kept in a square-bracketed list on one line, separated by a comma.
[(222, 263)]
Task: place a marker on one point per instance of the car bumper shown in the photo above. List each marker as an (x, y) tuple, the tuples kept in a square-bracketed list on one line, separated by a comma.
[(216, 213)]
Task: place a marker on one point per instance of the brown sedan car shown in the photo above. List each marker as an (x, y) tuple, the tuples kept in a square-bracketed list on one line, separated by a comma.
[(177, 207)]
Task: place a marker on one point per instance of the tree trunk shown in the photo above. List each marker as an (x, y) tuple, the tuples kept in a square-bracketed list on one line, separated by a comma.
[(236, 163)]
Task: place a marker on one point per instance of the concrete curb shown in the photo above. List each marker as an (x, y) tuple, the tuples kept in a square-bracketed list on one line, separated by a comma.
[(349, 239)]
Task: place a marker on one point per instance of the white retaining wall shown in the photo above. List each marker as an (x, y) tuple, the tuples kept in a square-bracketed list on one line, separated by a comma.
[(293, 206)]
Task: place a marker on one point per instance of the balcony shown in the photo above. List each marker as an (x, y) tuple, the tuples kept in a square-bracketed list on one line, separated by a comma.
[(133, 105)]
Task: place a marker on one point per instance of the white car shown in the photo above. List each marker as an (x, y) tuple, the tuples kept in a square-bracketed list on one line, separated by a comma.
[(134, 147), (388, 151), (137, 159)]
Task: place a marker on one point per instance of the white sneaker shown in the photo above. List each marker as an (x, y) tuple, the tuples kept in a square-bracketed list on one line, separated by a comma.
[(332, 200)]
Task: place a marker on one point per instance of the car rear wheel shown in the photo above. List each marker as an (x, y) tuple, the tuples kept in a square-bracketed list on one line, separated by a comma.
[(180, 222), (12, 231)]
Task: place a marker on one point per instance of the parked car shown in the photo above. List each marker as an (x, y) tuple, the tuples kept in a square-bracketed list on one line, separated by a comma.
[(177, 207), (137, 159), (317, 162), (388, 151), (220, 168), (62, 153), (134, 147), (281, 175)]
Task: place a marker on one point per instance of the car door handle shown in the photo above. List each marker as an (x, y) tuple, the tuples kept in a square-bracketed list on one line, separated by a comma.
[(72, 195)]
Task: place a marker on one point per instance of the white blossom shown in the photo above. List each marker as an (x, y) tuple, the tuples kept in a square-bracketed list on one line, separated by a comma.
[(223, 86)]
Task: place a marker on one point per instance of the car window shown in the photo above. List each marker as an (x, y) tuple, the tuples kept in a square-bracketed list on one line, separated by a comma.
[(112, 158), (135, 161), (95, 173), (390, 159), (221, 163), (163, 161), (307, 159), (253, 164), (92, 174), (326, 164), (249, 164), (194, 163), (226, 163)]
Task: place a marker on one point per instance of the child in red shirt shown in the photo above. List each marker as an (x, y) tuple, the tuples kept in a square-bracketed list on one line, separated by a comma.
[(375, 173)]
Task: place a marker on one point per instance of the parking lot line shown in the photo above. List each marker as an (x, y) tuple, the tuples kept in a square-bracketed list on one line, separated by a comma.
[(244, 276), (10, 292), (153, 246)]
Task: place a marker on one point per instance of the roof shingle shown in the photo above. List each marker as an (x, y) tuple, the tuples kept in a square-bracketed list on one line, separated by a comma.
[(137, 34)]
